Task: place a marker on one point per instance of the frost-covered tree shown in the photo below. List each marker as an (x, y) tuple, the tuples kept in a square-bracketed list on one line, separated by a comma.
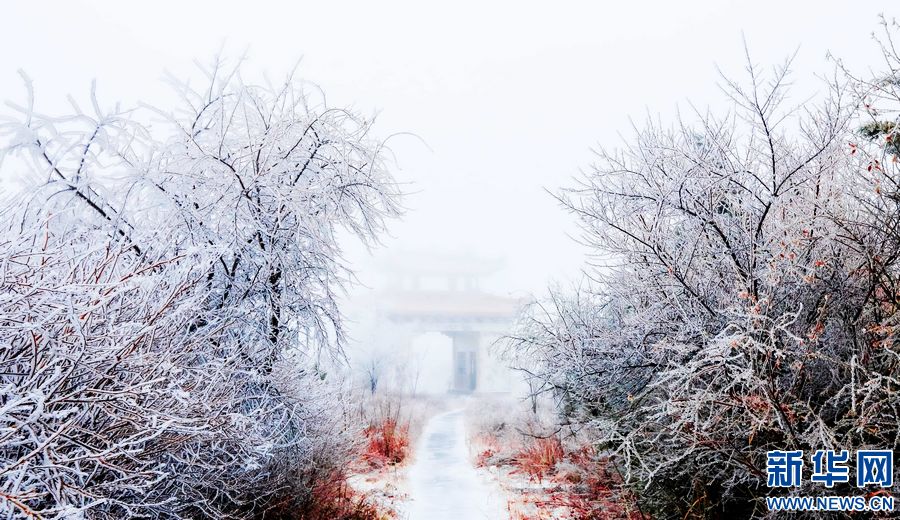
[(168, 316), (743, 298)]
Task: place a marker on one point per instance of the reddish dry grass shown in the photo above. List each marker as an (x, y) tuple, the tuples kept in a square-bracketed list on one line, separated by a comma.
[(387, 443), (331, 499), (334, 499), (489, 447), (597, 494), (583, 487), (540, 458)]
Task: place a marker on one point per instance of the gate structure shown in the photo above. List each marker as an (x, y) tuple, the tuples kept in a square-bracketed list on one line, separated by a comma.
[(444, 296)]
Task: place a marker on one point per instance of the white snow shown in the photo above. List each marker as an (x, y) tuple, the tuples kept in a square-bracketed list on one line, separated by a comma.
[(443, 482)]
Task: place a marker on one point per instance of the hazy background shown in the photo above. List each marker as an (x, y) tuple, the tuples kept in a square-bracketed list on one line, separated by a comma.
[(505, 98)]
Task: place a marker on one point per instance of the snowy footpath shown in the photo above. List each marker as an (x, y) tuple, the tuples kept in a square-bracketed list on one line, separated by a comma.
[(443, 484)]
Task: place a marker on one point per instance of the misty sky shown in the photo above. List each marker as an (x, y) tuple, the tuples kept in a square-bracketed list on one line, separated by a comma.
[(507, 97)]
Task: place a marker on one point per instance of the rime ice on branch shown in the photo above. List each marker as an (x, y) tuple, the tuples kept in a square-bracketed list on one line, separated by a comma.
[(744, 296), (168, 325)]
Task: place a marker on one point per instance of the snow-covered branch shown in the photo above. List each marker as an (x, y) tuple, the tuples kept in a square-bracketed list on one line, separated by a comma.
[(168, 317)]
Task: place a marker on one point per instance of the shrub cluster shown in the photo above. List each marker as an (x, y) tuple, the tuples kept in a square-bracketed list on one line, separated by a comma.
[(743, 297), (169, 334)]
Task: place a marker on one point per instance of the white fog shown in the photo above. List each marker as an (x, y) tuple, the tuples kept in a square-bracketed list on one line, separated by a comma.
[(360, 290)]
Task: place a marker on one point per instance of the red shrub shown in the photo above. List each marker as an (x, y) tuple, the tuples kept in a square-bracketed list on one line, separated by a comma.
[(387, 443)]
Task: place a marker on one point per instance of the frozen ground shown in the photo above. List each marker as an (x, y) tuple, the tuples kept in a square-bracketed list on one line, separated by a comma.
[(443, 484)]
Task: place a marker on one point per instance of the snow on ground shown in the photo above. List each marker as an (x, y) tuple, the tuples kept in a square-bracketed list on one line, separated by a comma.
[(443, 483), (386, 487)]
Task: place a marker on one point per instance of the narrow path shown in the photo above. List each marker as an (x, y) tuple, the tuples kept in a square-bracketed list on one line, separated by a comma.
[(443, 483)]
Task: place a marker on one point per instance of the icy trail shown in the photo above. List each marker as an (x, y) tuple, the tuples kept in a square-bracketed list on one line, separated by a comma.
[(443, 483)]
